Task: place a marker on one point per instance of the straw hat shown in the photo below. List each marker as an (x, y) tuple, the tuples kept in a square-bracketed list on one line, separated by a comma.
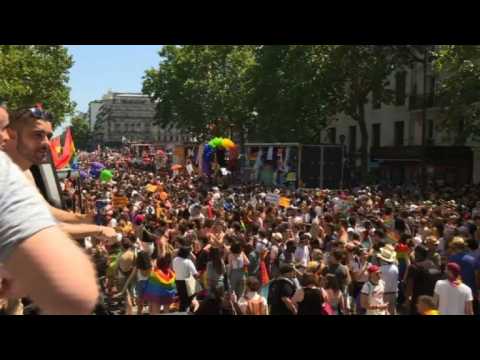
[(387, 254)]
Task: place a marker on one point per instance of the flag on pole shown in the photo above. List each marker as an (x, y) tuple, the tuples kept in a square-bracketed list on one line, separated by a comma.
[(68, 151)]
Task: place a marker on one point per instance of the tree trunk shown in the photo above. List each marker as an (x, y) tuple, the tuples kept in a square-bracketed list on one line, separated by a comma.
[(364, 141)]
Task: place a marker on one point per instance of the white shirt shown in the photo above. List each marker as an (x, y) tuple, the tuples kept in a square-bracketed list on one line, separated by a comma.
[(183, 268), (356, 267), (452, 299), (390, 277), (113, 223), (375, 296), (302, 255)]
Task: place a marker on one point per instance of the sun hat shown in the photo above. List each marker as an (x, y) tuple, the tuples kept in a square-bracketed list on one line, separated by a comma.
[(387, 254)]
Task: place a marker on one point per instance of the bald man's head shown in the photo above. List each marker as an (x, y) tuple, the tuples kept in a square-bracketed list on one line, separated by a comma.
[(3, 127)]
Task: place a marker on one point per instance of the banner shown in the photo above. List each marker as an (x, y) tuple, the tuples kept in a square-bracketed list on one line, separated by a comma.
[(272, 198), (284, 202), (119, 201)]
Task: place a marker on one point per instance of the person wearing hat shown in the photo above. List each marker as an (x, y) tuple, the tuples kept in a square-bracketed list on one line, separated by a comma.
[(389, 274), (452, 296), (371, 297)]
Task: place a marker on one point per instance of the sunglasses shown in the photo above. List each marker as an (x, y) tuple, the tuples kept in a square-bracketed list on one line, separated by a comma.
[(37, 113)]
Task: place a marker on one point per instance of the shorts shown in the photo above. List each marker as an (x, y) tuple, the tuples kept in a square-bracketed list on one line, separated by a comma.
[(140, 289)]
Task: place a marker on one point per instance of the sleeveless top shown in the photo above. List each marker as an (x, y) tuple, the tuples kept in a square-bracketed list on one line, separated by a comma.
[(312, 302)]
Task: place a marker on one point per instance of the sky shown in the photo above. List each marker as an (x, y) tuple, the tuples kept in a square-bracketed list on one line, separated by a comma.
[(100, 68)]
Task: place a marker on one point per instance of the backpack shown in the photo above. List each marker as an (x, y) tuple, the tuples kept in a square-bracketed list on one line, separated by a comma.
[(255, 307), (427, 278), (274, 290)]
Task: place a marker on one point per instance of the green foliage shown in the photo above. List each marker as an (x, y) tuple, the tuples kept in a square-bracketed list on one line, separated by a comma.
[(31, 74), (291, 92), (355, 72), (458, 67), (81, 132), (200, 88)]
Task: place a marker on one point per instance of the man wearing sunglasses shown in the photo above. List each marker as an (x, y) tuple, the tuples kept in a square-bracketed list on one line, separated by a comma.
[(36, 258), (29, 132)]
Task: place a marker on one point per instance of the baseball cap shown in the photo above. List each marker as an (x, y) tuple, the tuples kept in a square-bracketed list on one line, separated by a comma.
[(454, 268), (372, 269)]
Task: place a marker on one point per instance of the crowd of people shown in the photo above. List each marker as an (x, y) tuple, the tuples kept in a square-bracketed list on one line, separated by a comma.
[(174, 241), (189, 245)]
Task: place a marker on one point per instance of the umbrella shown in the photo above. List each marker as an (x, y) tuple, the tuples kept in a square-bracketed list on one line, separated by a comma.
[(176, 167)]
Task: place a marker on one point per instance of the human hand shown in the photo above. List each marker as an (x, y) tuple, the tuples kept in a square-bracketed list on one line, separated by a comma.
[(107, 234)]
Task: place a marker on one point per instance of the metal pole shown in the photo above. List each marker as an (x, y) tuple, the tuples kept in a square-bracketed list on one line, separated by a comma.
[(424, 116)]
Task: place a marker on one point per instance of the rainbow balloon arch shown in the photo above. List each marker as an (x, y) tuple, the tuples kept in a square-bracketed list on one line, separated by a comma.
[(214, 154)]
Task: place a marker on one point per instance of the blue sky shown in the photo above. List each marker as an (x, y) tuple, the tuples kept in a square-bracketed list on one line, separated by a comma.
[(99, 68)]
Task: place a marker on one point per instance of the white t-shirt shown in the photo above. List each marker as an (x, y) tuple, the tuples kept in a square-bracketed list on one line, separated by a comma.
[(452, 299), (183, 268), (113, 223), (302, 255), (356, 267), (375, 296), (390, 277)]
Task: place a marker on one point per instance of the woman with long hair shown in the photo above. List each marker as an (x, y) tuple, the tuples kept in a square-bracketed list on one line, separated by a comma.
[(215, 270), (237, 263), (334, 295)]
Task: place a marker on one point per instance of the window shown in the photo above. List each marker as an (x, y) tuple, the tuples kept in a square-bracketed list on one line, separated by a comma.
[(376, 103), (332, 135), (352, 138), (399, 133), (400, 88), (376, 135), (430, 129)]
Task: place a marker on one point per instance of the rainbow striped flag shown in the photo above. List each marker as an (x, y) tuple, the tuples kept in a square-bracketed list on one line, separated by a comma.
[(161, 285)]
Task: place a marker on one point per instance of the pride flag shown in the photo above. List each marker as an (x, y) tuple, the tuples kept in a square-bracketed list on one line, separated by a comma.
[(160, 285), (69, 150)]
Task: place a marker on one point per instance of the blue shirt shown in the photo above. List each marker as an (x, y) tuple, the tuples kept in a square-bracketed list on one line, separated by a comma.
[(468, 266)]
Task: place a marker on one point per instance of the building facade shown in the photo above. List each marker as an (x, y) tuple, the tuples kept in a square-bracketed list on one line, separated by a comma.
[(130, 117), (93, 110), (397, 151)]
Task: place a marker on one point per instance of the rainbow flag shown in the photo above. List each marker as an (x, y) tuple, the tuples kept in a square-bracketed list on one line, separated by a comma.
[(68, 151), (160, 285)]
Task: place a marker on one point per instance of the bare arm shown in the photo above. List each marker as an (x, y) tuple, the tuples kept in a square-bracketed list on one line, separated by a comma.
[(469, 308), (79, 231), (288, 302), (364, 301), (70, 217), (52, 270)]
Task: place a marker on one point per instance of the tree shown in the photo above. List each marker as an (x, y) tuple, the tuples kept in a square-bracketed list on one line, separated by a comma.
[(203, 89), (81, 132), (356, 72), (458, 68), (33, 74), (291, 92)]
